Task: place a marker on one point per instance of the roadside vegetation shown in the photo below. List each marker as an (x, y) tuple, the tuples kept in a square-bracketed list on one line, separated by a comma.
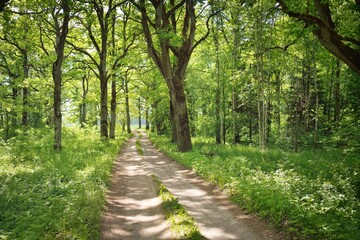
[(139, 148), (180, 221), (48, 194), (310, 195)]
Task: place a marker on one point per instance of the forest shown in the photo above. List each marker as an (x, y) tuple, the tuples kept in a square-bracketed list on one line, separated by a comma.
[(259, 97)]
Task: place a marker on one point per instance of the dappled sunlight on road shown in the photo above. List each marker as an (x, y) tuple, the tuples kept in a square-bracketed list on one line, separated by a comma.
[(214, 220), (133, 210)]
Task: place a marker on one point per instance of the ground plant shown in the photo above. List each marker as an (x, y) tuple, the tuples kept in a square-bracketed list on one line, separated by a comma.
[(180, 221), (310, 195), (48, 194)]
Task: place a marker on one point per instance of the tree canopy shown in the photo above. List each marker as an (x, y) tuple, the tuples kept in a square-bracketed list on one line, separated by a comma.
[(257, 72)]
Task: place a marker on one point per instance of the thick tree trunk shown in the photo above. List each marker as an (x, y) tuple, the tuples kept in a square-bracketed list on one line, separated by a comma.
[(174, 138), (113, 109), (178, 100)]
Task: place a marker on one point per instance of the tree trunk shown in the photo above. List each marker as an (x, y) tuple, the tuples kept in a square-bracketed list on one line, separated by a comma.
[(236, 134), (13, 112), (83, 108), (174, 138), (103, 107), (154, 117), (1, 117), (223, 115), (56, 72), (127, 106), (172, 66), (181, 117), (139, 111), (337, 94), (316, 112), (25, 115), (278, 101), (113, 109), (57, 103), (7, 127), (250, 129), (147, 127), (218, 108)]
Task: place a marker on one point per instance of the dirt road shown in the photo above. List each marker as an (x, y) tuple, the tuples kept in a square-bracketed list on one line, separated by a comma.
[(133, 210)]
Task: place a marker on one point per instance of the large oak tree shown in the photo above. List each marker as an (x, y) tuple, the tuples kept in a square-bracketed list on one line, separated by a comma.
[(169, 29)]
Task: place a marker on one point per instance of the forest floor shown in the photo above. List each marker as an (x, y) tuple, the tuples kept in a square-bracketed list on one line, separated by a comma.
[(133, 209)]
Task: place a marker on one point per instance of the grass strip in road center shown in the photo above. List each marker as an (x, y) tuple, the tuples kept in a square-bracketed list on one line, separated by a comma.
[(181, 222), (139, 149)]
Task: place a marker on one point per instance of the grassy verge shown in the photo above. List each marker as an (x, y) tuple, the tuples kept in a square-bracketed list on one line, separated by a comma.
[(311, 195), (181, 222), (139, 148), (46, 194)]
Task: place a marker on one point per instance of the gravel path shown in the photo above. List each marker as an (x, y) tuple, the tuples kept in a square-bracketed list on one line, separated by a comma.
[(133, 210)]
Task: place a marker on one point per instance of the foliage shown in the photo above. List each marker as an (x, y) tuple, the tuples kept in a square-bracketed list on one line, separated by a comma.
[(181, 222), (46, 194), (312, 195)]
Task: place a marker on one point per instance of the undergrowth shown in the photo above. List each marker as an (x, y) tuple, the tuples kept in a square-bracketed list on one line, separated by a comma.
[(310, 195), (48, 194), (181, 222)]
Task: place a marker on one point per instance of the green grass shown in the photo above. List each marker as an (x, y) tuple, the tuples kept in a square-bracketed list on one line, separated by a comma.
[(181, 222), (310, 195), (46, 194), (139, 148)]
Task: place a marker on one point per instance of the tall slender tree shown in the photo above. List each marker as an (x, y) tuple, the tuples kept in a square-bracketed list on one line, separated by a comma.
[(61, 18), (97, 17)]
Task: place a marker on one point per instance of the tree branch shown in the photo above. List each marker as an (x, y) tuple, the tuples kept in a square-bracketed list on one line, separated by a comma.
[(207, 32)]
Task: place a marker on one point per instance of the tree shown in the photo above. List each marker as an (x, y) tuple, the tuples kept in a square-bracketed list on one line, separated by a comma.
[(171, 51), (100, 38), (331, 36), (61, 28)]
